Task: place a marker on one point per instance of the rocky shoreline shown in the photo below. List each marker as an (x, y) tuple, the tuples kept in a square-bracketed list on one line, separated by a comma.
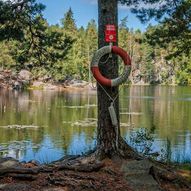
[(24, 80)]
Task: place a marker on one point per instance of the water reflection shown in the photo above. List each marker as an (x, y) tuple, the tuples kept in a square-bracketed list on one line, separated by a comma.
[(165, 112), (67, 121), (55, 137)]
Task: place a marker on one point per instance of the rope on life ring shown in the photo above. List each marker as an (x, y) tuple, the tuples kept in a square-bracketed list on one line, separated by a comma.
[(96, 72)]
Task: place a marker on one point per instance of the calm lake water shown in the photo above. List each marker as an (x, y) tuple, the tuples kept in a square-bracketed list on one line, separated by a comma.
[(65, 122)]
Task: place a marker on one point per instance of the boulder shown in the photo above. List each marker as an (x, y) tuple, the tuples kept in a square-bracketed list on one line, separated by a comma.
[(76, 83), (25, 75), (17, 85), (8, 162), (1, 77), (45, 78), (15, 187), (38, 84), (50, 87)]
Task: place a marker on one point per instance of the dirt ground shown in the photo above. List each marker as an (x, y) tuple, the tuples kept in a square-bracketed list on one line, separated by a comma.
[(109, 176)]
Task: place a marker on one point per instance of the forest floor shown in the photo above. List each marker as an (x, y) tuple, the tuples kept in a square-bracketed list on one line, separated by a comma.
[(107, 175)]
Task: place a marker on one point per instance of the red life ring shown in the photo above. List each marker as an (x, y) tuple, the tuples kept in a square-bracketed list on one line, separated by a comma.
[(96, 72)]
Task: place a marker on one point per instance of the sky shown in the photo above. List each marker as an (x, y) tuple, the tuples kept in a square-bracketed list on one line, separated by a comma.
[(84, 11)]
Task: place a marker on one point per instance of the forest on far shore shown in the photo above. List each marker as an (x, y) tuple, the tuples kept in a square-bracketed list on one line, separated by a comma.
[(62, 52)]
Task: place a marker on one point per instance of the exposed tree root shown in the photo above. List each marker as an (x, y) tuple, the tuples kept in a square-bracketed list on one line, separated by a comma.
[(87, 163), (122, 151), (29, 177), (88, 173), (20, 173), (161, 174), (128, 152), (81, 167), (19, 170), (80, 164)]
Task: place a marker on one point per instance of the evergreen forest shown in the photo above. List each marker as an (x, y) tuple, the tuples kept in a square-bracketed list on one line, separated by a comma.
[(62, 52)]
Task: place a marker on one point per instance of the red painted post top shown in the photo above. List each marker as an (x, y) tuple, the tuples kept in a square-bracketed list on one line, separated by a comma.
[(110, 33)]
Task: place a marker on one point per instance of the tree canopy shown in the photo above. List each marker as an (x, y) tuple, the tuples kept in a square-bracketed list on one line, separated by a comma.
[(64, 51), (33, 41), (174, 18), (18, 15)]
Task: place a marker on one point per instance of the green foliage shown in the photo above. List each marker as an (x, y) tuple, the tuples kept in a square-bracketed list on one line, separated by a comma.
[(39, 45), (174, 17), (91, 45), (142, 140), (59, 52), (183, 74), (72, 58), (147, 64), (16, 16), (6, 60), (159, 55), (68, 23)]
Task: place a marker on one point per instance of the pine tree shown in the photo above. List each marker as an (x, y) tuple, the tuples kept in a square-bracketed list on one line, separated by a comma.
[(68, 22), (70, 29), (6, 60), (109, 141), (91, 43), (38, 44)]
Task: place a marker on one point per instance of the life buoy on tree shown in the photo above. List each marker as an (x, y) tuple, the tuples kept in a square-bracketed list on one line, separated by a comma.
[(108, 50)]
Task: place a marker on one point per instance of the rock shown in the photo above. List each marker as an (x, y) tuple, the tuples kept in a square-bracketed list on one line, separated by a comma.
[(10, 80), (15, 187), (38, 84), (8, 163), (25, 75), (42, 85), (138, 176), (17, 85), (2, 186), (1, 77), (76, 83), (7, 71), (34, 162), (50, 87), (45, 78)]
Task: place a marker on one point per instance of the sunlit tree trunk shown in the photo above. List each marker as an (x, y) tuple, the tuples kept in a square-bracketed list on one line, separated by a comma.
[(106, 131), (109, 141)]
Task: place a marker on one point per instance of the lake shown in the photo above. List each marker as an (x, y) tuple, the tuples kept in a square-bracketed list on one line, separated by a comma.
[(62, 123)]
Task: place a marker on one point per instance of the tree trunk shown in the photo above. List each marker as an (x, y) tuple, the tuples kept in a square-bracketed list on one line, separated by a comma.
[(109, 141), (106, 140)]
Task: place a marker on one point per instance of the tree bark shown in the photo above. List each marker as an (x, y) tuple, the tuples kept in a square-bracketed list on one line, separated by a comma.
[(106, 140), (109, 141)]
